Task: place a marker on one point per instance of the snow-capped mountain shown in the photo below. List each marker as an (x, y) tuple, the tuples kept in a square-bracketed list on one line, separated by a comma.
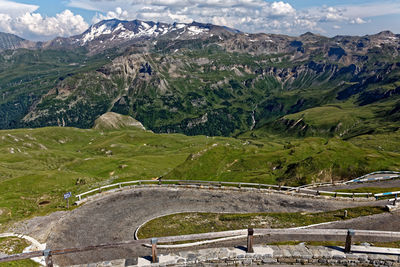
[(112, 30), (111, 33)]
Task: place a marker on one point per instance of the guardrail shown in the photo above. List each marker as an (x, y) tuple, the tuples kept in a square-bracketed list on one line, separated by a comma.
[(387, 194), (221, 184), (364, 178), (303, 189), (300, 234), (178, 182)]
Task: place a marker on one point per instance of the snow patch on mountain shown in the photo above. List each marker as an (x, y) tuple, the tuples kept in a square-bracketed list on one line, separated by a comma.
[(95, 32), (195, 30)]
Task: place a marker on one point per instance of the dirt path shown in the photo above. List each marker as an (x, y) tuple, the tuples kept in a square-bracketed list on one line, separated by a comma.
[(115, 216)]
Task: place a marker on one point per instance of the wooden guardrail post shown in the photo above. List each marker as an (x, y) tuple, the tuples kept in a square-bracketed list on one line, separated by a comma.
[(48, 257), (154, 256), (350, 234), (250, 236)]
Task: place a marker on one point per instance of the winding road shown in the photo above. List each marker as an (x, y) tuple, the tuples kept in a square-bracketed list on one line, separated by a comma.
[(113, 217)]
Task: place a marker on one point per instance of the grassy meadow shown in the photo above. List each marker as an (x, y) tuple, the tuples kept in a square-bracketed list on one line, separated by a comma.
[(196, 223), (37, 166)]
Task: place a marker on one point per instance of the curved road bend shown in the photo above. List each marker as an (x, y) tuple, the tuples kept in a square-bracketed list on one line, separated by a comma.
[(115, 216)]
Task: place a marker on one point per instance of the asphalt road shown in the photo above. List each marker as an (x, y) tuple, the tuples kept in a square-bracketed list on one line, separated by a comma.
[(381, 184), (115, 216)]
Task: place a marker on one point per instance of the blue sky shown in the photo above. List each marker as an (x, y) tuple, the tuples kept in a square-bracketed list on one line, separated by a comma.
[(46, 19)]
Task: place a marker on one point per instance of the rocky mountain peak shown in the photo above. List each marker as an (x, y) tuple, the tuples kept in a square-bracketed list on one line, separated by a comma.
[(11, 41)]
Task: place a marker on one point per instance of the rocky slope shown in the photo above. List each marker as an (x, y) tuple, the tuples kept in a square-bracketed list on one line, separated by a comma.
[(11, 41), (114, 121)]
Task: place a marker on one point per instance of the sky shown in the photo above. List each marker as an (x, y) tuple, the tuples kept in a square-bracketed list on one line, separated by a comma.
[(46, 19)]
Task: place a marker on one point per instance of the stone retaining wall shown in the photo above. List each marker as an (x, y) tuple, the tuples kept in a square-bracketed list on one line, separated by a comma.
[(265, 255)]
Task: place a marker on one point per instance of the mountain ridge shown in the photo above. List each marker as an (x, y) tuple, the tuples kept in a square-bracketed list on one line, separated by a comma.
[(201, 79), (131, 30)]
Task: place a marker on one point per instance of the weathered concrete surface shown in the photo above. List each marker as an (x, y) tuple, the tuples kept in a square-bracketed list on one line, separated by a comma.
[(267, 255), (114, 217), (39, 227)]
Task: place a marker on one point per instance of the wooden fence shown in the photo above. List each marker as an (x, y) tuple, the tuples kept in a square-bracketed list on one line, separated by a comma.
[(346, 235)]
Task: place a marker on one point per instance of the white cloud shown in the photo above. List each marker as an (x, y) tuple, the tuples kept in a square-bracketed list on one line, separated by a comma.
[(246, 15), (118, 13), (34, 26), (379, 8), (13, 9), (357, 21), (83, 5), (282, 9)]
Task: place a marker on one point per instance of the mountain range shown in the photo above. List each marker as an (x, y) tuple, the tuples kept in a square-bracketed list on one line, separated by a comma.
[(203, 79)]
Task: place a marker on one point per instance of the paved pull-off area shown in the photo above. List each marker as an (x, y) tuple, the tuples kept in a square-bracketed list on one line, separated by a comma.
[(113, 217)]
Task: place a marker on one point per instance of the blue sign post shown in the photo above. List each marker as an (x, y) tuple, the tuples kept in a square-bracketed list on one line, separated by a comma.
[(66, 197)]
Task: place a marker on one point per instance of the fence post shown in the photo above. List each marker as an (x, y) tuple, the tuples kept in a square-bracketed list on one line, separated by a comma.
[(240, 185), (48, 257), (350, 234), (154, 256), (250, 235)]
